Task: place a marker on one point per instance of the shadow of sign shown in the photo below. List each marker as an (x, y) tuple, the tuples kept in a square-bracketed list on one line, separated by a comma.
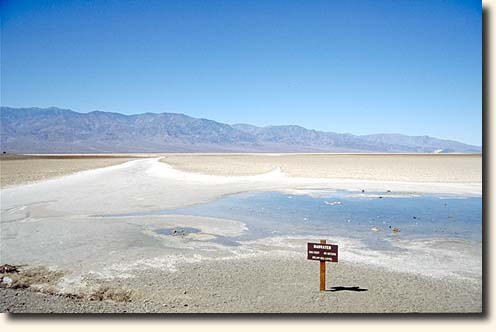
[(351, 289)]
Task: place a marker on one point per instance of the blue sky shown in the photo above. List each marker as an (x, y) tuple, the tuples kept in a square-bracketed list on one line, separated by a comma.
[(411, 67)]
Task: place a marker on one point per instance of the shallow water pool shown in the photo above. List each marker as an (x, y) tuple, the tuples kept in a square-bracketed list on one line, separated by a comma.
[(369, 217)]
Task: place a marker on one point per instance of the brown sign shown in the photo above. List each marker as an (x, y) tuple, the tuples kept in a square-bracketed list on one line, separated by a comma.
[(322, 252)]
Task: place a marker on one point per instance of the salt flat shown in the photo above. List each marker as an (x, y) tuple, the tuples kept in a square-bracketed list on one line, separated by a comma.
[(377, 167), (61, 223), (21, 169)]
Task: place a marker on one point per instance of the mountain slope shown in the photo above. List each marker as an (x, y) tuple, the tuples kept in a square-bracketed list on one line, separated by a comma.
[(54, 130)]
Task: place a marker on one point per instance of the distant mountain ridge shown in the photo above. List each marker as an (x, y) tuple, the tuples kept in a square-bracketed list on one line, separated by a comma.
[(54, 130)]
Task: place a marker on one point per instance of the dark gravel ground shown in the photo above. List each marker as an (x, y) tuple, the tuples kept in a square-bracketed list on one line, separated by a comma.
[(265, 286)]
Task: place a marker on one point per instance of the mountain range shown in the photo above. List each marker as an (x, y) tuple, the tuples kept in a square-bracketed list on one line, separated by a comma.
[(55, 130)]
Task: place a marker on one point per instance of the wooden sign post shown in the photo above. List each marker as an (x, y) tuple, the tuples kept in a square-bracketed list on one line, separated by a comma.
[(322, 252), (322, 271)]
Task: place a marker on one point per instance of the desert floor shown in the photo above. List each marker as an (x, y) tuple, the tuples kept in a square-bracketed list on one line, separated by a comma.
[(77, 252), (21, 169)]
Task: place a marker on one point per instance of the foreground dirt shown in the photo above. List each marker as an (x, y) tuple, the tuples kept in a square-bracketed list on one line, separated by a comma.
[(264, 286)]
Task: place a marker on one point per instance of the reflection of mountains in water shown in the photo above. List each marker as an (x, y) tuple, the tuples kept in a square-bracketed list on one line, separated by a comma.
[(53, 130)]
